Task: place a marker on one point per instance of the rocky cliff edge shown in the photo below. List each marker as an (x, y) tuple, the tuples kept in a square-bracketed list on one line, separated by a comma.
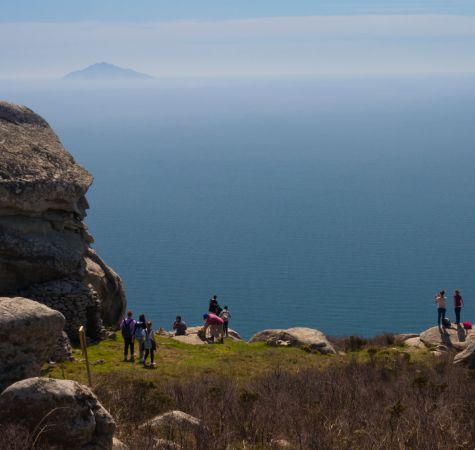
[(45, 251)]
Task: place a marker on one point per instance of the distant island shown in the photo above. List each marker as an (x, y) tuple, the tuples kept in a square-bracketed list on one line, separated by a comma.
[(106, 71)]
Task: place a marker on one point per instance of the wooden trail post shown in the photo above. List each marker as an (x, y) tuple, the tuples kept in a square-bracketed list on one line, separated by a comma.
[(82, 340)]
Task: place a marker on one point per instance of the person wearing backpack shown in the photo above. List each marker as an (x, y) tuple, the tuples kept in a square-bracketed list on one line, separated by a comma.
[(127, 328), (458, 304), (149, 344), (140, 325), (441, 301), (226, 316)]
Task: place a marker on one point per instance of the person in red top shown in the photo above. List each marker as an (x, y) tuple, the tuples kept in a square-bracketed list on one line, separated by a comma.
[(215, 325), (458, 304)]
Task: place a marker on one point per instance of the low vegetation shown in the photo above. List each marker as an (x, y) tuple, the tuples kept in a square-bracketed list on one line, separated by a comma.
[(248, 396)]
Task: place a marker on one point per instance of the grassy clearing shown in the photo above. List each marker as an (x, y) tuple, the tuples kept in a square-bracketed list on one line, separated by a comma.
[(241, 360)]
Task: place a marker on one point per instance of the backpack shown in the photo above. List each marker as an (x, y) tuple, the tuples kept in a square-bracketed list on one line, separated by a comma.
[(446, 322), (467, 325), (225, 315), (139, 326), (125, 329)]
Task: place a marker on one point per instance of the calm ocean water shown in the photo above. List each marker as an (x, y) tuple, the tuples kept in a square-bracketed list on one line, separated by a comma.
[(340, 204)]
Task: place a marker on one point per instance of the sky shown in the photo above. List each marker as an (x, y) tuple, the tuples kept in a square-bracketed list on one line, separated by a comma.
[(49, 38)]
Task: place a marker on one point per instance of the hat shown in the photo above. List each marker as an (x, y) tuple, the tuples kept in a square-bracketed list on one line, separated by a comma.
[(205, 316)]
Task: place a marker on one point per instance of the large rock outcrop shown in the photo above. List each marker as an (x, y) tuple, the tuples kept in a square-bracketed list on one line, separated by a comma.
[(29, 333), (45, 251), (67, 414), (296, 337)]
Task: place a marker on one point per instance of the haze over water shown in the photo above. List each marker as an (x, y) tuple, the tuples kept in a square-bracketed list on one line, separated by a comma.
[(341, 204)]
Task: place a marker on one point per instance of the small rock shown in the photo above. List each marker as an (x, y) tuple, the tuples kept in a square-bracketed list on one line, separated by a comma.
[(174, 419), (118, 445)]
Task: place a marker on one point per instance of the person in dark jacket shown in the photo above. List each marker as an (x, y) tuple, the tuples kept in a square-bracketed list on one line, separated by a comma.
[(127, 327), (180, 326)]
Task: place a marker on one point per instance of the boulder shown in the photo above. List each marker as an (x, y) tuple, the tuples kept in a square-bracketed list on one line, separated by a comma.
[(174, 419), (45, 251), (29, 332), (453, 338), (69, 414), (192, 336), (296, 337), (414, 342), (403, 337), (467, 356)]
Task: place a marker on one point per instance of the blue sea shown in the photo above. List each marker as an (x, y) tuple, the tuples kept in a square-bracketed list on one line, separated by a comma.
[(342, 204)]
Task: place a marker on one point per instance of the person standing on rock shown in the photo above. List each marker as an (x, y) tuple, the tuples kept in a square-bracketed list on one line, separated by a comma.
[(215, 325), (180, 326), (149, 344), (226, 316), (441, 301), (213, 305), (458, 304), (127, 328), (140, 325)]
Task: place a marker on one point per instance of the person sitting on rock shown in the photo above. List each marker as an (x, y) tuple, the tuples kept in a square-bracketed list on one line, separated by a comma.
[(180, 326), (225, 315), (127, 327), (215, 325), (140, 325), (149, 344)]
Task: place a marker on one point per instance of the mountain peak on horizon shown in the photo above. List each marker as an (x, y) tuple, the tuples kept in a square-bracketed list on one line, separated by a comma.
[(106, 71)]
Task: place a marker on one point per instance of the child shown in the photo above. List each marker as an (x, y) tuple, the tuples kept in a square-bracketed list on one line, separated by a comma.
[(225, 315), (149, 344)]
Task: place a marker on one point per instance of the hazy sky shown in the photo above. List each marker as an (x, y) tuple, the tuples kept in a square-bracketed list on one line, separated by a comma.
[(49, 38)]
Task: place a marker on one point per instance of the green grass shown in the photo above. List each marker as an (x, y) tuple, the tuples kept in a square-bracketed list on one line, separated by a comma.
[(176, 360)]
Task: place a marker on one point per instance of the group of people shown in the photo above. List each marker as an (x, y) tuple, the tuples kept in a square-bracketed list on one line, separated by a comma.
[(140, 331), (216, 320), (441, 301)]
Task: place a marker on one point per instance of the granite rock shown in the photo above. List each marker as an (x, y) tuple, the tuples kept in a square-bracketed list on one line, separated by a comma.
[(296, 337), (29, 332), (69, 414)]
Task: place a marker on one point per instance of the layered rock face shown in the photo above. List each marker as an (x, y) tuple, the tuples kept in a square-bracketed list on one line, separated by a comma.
[(45, 251)]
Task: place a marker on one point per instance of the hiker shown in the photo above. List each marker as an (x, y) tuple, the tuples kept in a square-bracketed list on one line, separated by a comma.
[(225, 315), (149, 344), (127, 328), (180, 326), (213, 305), (441, 301), (458, 304), (215, 325), (140, 325)]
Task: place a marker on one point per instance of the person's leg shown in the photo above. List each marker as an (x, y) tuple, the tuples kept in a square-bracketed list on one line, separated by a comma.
[(132, 356), (152, 359), (221, 333), (145, 357), (457, 315), (126, 348), (226, 327), (140, 343), (439, 316)]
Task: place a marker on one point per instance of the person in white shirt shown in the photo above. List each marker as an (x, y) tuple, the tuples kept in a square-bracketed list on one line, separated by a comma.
[(441, 301), (225, 315)]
